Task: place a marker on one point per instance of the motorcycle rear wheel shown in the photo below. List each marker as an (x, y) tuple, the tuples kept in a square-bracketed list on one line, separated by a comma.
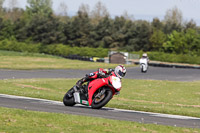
[(68, 101), (102, 102)]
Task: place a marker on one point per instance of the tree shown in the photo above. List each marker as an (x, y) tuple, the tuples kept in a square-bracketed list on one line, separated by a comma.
[(157, 39), (127, 16), (61, 12), (84, 8), (1, 7), (77, 30), (119, 31), (138, 36), (173, 20), (192, 39), (157, 24), (20, 29), (102, 33), (39, 7), (98, 13), (183, 42), (62, 9), (46, 30), (190, 25), (13, 13), (6, 29), (39, 23)]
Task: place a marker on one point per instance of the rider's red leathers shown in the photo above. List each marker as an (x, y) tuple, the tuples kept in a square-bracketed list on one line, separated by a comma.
[(98, 74)]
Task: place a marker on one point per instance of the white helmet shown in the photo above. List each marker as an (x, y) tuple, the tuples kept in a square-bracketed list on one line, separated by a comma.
[(120, 71), (144, 55)]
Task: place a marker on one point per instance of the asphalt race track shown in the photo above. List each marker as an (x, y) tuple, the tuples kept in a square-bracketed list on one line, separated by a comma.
[(154, 73), (110, 113)]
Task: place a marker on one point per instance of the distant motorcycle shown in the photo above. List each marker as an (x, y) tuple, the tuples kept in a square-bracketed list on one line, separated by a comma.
[(143, 65), (97, 93)]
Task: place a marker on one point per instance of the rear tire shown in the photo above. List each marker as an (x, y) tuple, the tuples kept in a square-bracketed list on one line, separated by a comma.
[(68, 101), (108, 96)]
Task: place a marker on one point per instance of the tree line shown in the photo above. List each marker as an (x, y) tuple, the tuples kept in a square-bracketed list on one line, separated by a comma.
[(38, 23)]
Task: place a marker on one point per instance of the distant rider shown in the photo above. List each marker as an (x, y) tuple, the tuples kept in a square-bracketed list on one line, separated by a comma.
[(144, 56)]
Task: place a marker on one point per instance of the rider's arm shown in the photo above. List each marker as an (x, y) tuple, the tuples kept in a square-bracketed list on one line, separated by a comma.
[(93, 75), (147, 59), (105, 72), (100, 73)]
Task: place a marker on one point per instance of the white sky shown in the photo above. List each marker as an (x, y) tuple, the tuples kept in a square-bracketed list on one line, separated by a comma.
[(140, 9)]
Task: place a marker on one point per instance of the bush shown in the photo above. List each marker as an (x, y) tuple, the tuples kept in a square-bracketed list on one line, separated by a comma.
[(64, 50), (53, 49), (19, 46), (59, 49)]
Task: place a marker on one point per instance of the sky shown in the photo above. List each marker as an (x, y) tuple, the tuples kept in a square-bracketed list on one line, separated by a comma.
[(140, 9)]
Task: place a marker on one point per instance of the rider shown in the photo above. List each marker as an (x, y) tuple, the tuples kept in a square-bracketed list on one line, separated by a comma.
[(119, 71), (144, 56)]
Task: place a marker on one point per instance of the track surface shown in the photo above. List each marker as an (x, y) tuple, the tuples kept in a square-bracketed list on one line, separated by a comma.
[(154, 73), (118, 114)]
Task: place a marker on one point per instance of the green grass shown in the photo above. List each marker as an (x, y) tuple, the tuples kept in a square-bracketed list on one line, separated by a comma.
[(145, 95), (17, 60), (169, 97), (15, 120)]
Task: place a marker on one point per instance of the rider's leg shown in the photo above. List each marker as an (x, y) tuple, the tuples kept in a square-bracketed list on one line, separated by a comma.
[(81, 81), (78, 86)]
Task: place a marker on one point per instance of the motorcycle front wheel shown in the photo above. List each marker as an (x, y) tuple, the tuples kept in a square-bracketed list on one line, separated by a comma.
[(101, 98), (68, 101), (143, 70)]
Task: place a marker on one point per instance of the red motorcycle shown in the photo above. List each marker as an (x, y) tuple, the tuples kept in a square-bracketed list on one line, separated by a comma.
[(97, 93)]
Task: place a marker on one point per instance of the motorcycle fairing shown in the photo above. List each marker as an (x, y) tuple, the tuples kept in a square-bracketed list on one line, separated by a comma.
[(95, 85)]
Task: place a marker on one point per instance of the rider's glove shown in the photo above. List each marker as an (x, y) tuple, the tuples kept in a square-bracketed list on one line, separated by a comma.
[(110, 70), (101, 73)]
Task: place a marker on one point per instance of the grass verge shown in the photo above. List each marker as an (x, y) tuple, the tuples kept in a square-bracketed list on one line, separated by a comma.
[(15, 120), (169, 97), (27, 61)]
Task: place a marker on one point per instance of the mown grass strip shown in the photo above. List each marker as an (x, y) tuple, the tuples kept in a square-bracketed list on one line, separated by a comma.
[(27, 61), (181, 98), (16, 120)]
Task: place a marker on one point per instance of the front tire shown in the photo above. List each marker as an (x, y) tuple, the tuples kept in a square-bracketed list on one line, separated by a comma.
[(143, 70), (104, 101), (68, 101)]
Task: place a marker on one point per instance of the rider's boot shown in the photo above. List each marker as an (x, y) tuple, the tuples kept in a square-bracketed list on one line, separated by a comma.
[(70, 92)]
